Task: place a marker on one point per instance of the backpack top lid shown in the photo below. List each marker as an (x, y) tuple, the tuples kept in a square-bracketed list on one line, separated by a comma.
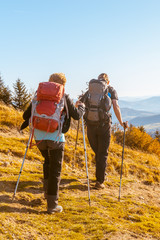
[(97, 86), (51, 91)]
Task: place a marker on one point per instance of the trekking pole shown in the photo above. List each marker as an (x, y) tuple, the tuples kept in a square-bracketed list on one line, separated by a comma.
[(121, 167), (86, 161), (21, 167), (76, 144)]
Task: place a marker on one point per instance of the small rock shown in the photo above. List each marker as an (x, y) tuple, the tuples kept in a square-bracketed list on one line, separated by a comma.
[(141, 197), (6, 164)]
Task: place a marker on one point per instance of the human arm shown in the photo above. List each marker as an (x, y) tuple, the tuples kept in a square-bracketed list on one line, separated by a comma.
[(83, 97), (117, 112), (27, 113), (75, 112), (26, 116)]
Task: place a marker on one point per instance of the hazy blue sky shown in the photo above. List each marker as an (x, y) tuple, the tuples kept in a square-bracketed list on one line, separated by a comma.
[(82, 38)]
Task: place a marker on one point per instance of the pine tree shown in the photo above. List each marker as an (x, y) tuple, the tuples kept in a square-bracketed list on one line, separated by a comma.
[(7, 96), (21, 96), (1, 87), (157, 135), (5, 93)]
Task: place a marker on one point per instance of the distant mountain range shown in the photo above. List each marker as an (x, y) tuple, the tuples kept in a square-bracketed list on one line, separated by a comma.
[(151, 104), (145, 112)]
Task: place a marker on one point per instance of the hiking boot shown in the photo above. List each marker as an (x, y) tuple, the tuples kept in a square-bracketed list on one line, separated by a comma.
[(52, 204), (54, 210), (99, 185)]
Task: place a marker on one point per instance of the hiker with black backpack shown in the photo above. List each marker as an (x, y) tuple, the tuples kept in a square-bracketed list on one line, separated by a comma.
[(50, 114), (98, 100)]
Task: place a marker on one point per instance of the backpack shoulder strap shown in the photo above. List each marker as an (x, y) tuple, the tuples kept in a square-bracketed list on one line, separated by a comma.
[(66, 106), (106, 91)]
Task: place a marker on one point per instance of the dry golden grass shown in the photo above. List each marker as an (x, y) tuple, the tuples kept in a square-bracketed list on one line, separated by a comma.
[(10, 117), (136, 216), (137, 139)]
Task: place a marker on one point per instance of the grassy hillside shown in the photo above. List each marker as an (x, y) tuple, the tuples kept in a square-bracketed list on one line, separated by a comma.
[(136, 216)]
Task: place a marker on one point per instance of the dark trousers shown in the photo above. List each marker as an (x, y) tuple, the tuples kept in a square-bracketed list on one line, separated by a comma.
[(52, 166), (99, 138)]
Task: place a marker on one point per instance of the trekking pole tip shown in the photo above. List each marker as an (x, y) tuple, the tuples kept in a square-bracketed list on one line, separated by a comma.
[(13, 197)]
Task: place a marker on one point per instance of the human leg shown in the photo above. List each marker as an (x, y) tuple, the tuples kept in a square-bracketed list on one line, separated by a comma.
[(55, 166), (42, 146), (104, 136), (92, 137)]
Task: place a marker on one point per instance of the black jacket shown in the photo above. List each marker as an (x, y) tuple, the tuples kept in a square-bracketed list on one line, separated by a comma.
[(69, 109)]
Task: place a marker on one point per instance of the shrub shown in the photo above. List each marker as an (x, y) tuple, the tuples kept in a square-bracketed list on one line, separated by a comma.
[(138, 139)]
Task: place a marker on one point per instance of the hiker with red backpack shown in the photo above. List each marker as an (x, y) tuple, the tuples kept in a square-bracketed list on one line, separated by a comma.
[(50, 114), (98, 100)]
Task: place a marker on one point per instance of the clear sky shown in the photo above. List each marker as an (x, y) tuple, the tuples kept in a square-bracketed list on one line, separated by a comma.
[(82, 38)]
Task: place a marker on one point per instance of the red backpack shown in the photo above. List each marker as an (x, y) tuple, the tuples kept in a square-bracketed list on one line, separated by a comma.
[(47, 107)]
